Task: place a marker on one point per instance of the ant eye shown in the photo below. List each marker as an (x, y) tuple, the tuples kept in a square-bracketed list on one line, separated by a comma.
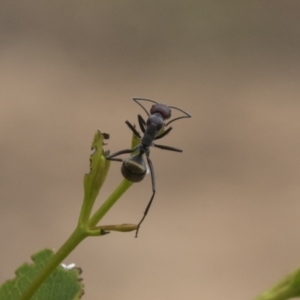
[(164, 110)]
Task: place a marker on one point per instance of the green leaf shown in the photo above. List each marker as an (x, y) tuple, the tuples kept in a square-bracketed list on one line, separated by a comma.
[(93, 180), (98, 167), (287, 288), (62, 284)]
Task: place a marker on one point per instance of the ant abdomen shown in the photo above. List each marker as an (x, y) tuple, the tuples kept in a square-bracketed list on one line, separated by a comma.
[(134, 168)]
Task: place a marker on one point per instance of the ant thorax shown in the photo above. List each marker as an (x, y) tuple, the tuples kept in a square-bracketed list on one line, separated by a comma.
[(157, 120)]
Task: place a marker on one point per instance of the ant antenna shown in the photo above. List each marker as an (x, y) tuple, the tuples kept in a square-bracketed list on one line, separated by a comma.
[(143, 99), (187, 115)]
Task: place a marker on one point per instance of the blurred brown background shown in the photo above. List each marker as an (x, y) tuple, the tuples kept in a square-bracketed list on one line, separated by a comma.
[(225, 220)]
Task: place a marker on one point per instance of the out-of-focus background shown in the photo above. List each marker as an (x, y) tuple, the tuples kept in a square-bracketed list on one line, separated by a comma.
[(225, 220)]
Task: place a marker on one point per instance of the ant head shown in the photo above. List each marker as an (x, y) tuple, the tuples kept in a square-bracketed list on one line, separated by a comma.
[(162, 109)]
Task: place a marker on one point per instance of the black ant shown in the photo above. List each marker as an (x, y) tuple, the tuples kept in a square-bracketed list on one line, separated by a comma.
[(134, 168)]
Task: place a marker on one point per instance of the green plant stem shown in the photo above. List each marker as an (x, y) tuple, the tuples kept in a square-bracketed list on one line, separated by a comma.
[(76, 237), (111, 200), (80, 233)]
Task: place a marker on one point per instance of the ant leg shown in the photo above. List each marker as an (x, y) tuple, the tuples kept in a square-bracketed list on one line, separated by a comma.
[(111, 156), (163, 134), (115, 159), (142, 123), (152, 197), (132, 128), (167, 148)]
